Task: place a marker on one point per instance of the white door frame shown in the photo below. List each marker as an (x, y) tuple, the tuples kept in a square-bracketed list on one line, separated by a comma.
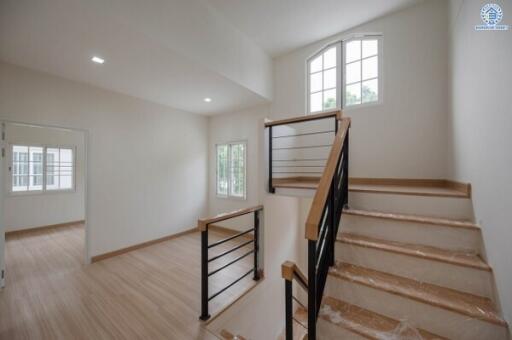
[(3, 178), (2, 197)]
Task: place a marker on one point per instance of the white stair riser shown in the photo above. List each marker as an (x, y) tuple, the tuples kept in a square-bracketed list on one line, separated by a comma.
[(412, 232), (465, 279), (326, 330), (421, 315), (447, 207), (308, 193)]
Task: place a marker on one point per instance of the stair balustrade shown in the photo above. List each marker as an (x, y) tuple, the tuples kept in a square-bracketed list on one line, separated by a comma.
[(203, 225), (321, 225)]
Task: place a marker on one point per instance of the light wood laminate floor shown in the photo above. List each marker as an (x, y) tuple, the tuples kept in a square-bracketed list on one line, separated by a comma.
[(150, 293)]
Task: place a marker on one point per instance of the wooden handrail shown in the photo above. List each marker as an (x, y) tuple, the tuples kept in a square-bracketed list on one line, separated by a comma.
[(335, 113), (203, 222), (320, 198), (290, 271)]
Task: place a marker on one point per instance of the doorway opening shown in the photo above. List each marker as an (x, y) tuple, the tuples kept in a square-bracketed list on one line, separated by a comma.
[(43, 194)]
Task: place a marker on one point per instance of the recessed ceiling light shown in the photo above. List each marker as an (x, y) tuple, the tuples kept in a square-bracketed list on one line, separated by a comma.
[(98, 60), (207, 99)]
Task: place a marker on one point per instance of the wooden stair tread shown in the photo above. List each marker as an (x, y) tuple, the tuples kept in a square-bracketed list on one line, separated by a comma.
[(374, 186), (408, 190), (466, 259), (467, 304), (367, 323), (412, 218)]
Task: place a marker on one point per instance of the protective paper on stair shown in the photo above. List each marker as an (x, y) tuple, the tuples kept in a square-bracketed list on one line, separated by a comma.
[(403, 331), (472, 306), (348, 309)]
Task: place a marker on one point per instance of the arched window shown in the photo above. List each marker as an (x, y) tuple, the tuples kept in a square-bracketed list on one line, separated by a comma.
[(324, 80), (345, 74)]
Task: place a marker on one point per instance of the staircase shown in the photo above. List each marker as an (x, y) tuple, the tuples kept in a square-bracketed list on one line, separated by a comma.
[(402, 260), (417, 274)]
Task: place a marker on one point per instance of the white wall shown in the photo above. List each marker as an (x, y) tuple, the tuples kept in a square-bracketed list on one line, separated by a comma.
[(481, 122), (147, 163), (28, 210), (405, 135), (246, 125)]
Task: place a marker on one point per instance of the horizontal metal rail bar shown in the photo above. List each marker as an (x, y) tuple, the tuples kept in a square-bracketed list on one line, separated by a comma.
[(302, 283), (299, 159), (231, 262), (320, 253), (230, 251), (230, 238), (305, 147), (298, 166), (228, 286), (299, 303), (297, 172), (305, 134), (300, 323)]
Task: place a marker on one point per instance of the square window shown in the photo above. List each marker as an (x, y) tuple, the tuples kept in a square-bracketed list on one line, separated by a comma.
[(316, 102), (316, 64), (353, 51), (370, 91), (329, 99), (315, 83), (330, 78), (370, 68), (353, 72), (353, 94), (330, 58), (370, 48)]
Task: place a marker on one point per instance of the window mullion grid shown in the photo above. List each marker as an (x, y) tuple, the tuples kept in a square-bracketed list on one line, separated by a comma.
[(323, 72), (44, 168), (361, 72), (374, 55), (59, 171), (229, 172), (29, 168)]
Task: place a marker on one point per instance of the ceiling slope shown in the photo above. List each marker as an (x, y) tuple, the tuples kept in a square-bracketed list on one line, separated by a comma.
[(282, 26), (168, 51)]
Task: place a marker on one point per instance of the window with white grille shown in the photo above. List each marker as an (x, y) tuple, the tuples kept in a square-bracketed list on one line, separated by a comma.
[(40, 168), (231, 169)]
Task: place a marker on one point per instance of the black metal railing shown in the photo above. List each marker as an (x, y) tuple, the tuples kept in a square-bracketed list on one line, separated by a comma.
[(203, 225), (289, 166), (322, 227), (291, 273), (321, 252)]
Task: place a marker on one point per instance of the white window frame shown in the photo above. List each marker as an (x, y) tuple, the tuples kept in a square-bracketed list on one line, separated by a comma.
[(228, 195), (362, 37), (43, 191), (340, 76), (336, 44)]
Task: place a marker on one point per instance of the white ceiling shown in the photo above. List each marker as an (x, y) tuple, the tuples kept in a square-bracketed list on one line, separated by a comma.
[(174, 52), (61, 36), (280, 26)]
